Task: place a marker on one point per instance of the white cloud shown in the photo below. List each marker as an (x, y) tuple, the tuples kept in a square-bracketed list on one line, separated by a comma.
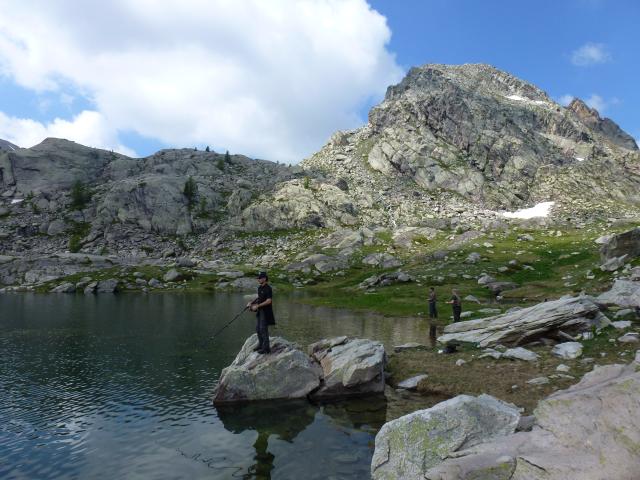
[(270, 79), (565, 99), (590, 54), (88, 128)]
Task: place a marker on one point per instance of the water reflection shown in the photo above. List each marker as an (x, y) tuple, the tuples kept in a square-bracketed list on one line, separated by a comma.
[(121, 386)]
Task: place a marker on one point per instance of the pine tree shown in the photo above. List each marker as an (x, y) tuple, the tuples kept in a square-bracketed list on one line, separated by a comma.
[(190, 191), (227, 157)]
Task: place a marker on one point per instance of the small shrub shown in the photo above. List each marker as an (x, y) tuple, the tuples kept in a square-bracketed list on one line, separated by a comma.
[(74, 243), (80, 195), (307, 183), (207, 149), (190, 191)]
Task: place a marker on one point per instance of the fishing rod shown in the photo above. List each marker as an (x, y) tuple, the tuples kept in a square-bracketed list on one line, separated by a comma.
[(229, 323)]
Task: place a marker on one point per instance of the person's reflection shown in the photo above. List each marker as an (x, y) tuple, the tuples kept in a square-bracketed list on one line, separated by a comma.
[(284, 419)]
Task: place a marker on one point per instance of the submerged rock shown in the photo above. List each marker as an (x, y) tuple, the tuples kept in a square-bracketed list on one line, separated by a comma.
[(408, 447)]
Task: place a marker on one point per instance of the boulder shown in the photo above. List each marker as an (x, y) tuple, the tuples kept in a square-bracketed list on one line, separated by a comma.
[(623, 293), (381, 260), (590, 431), (520, 353), (107, 286), (385, 279), (497, 287), (412, 383), (408, 447), (567, 350), (624, 244), (172, 275), (66, 287), (409, 346), (349, 366), (568, 314), (631, 337), (473, 257), (286, 373)]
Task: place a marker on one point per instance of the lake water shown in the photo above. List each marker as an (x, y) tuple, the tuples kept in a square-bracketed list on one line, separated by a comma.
[(120, 386)]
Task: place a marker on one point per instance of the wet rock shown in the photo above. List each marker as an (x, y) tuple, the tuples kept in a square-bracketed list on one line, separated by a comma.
[(408, 447), (567, 350)]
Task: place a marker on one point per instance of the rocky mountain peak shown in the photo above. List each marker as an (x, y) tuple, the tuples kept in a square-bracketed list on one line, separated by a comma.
[(584, 112), (6, 146), (605, 126)]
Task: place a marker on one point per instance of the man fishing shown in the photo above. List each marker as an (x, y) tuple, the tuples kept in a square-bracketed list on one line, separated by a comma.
[(264, 313)]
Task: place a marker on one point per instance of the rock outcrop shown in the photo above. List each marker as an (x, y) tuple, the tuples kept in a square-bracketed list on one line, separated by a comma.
[(408, 447), (568, 315), (286, 373), (625, 244), (623, 293), (349, 367), (336, 368), (590, 431)]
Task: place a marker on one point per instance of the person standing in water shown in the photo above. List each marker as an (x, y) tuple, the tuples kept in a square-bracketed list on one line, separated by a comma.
[(433, 311), (263, 306), (456, 304)]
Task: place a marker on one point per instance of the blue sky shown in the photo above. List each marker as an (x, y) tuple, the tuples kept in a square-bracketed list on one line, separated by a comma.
[(275, 79)]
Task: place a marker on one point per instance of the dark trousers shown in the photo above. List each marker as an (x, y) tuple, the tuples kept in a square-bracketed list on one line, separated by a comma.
[(433, 311), (457, 310), (262, 329)]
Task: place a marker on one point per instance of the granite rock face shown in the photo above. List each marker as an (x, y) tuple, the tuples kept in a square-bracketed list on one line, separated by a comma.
[(286, 373), (568, 315), (408, 447), (335, 368), (349, 367), (590, 431), (623, 293), (625, 244)]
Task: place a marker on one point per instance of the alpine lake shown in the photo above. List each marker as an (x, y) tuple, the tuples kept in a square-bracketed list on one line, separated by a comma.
[(121, 386)]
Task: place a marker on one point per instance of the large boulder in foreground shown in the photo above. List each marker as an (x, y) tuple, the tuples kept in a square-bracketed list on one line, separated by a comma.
[(591, 431), (569, 315), (286, 373), (409, 446), (337, 367), (349, 366), (623, 293)]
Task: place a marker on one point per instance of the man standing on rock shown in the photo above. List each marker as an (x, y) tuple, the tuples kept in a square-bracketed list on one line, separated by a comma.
[(264, 313), (433, 311), (456, 304)]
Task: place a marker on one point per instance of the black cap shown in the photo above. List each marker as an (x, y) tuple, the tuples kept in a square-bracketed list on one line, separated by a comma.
[(262, 275)]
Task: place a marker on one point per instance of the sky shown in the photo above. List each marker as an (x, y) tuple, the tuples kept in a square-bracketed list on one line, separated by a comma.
[(275, 79)]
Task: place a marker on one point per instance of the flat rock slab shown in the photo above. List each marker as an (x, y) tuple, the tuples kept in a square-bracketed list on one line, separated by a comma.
[(570, 315), (286, 373), (520, 353), (567, 350), (591, 431), (409, 346), (412, 383), (631, 337), (407, 447)]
